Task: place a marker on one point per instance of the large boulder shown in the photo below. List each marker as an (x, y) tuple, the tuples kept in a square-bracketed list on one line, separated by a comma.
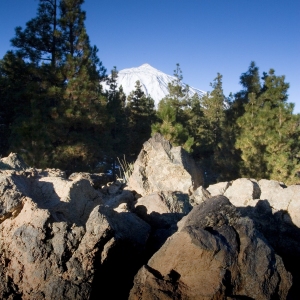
[(275, 210), (161, 167), (216, 254), (218, 188), (163, 209), (60, 239), (282, 198), (13, 189), (242, 191)]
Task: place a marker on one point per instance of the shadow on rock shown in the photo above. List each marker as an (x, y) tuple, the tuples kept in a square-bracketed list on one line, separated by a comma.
[(282, 235)]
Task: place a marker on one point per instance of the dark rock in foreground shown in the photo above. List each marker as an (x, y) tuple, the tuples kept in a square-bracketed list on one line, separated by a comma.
[(79, 238), (215, 254)]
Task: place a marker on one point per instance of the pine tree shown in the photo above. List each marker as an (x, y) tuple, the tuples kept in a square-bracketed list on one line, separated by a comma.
[(172, 115), (40, 40), (214, 112), (35, 84), (140, 111), (214, 155), (82, 112), (58, 75), (250, 82), (116, 100), (269, 136), (26, 104)]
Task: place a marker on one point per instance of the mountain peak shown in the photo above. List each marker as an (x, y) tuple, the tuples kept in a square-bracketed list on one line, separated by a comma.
[(154, 82), (145, 66)]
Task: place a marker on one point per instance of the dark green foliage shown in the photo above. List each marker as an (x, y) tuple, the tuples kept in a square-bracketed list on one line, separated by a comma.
[(213, 148), (55, 107), (141, 114), (81, 111), (269, 133), (172, 116), (118, 128), (54, 112), (41, 39)]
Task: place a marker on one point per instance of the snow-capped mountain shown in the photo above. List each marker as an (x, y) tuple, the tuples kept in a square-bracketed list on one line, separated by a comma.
[(153, 81)]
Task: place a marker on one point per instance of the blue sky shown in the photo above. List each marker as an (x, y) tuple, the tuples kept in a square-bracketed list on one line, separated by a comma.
[(204, 36)]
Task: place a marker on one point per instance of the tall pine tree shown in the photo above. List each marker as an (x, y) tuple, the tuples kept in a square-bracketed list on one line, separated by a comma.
[(118, 128), (82, 110), (141, 114), (172, 115), (269, 133), (58, 74)]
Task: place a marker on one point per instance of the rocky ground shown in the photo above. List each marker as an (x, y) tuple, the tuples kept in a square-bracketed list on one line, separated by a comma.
[(161, 236)]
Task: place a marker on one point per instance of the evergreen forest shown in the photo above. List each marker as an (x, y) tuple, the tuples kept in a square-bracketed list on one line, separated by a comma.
[(55, 113)]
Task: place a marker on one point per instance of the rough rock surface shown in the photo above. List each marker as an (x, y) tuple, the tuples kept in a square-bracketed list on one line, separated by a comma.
[(76, 238), (58, 236), (215, 254), (282, 198), (13, 162), (13, 189), (161, 167), (242, 190), (163, 209), (97, 180), (199, 195), (218, 188), (275, 210)]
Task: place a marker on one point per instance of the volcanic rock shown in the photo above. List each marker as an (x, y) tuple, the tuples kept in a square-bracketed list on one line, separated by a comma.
[(215, 254), (161, 167)]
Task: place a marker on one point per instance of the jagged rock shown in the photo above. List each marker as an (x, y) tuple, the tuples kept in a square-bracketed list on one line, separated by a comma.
[(163, 209), (57, 236), (115, 187), (13, 189), (121, 202), (215, 254), (199, 195), (52, 173), (294, 204), (13, 162), (74, 239), (97, 180), (218, 188), (161, 167), (276, 217), (242, 190), (281, 197)]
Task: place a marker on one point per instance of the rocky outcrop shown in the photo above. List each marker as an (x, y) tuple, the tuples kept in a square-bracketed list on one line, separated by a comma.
[(13, 162), (97, 180), (161, 167), (83, 238), (275, 210), (163, 209), (242, 191), (60, 238), (215, 254)]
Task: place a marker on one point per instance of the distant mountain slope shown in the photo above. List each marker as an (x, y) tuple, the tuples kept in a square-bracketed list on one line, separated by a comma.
[(153, 81)]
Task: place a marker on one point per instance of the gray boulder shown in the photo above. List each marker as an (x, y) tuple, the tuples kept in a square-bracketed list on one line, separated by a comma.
[(216, 254), (13, 189), (161, 167), (59, 239), (13, 162), (218, 188), (163, 209), (242, 191)]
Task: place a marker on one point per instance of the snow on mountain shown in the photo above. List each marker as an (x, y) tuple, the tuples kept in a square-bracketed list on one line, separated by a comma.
[(154, 82)]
